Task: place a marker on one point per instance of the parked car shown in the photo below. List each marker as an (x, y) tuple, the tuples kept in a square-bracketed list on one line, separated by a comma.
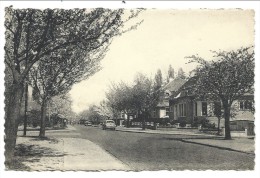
[(109, 124), (88, 123)]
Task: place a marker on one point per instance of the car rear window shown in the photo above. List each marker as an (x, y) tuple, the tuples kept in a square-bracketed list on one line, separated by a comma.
[(110, 121)]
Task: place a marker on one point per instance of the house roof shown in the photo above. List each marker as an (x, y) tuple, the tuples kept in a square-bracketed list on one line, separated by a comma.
[(174, 85), (191, 82), (186, 89)]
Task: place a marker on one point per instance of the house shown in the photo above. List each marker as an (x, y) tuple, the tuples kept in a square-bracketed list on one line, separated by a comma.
[(162, 110), (122, 119), (188, 108), (182, 104)]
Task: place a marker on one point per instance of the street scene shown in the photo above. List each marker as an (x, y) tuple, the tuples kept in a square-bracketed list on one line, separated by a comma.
[(129, 89), (82, 147)]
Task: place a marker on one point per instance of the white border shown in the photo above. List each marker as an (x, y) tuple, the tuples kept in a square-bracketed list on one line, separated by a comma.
[(131, 4)]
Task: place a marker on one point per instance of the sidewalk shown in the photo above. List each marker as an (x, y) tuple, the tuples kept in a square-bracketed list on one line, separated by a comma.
[(246, 145), (66, 154), (166, 132)]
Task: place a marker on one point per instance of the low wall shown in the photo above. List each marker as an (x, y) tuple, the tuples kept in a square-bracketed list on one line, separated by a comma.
[(238, 134), (244, 133)]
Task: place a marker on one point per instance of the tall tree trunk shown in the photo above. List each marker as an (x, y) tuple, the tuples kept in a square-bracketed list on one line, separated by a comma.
[(12, 116), (43, 117), (227, 120), (25, 109)]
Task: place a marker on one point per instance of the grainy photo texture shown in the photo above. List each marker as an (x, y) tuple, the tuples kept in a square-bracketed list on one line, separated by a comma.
[(129, 89)]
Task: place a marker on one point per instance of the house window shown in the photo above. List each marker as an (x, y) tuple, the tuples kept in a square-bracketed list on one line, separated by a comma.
[(204, 109), (241, 105), (196, 109), (245, 105), (248, 105), (167, 111), (182, 109), (217, 109)]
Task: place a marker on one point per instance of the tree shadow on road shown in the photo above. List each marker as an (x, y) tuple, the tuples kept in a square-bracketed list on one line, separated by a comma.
[(36, 151), (189, 140)]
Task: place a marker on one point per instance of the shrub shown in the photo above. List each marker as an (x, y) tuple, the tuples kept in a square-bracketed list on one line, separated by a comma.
[(165, 121), (182, 123), (173, 122), (204, 122)]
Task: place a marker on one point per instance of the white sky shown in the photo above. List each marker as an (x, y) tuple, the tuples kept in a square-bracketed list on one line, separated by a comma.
[(165, 37)]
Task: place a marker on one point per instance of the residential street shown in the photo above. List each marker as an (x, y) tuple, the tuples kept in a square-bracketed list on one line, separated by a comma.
[(142, 151)]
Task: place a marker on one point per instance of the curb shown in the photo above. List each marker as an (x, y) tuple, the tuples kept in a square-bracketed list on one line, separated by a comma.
[(192, 134)]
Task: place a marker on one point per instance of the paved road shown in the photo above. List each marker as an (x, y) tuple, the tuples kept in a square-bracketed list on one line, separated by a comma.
[(141, 151)]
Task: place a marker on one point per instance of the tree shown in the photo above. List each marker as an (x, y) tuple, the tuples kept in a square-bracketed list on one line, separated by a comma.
[(92, 114), (120, 99), (145, 96), (106, 110), (181, 74), (139, 98), (57, 73), (33, 34), (217, 112), (170, 73), (61, 104), (158, 78), (226, 78)]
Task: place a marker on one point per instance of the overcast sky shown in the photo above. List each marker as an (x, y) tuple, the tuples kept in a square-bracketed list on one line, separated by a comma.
[(165, 37)]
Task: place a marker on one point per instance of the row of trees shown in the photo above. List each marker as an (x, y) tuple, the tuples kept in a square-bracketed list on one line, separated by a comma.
[(171, 73), (51, 50), (94, 114), (139, 98), (57, 106)]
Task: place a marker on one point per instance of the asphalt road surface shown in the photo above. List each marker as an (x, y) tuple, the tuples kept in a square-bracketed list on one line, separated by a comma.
[(142, 151)]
